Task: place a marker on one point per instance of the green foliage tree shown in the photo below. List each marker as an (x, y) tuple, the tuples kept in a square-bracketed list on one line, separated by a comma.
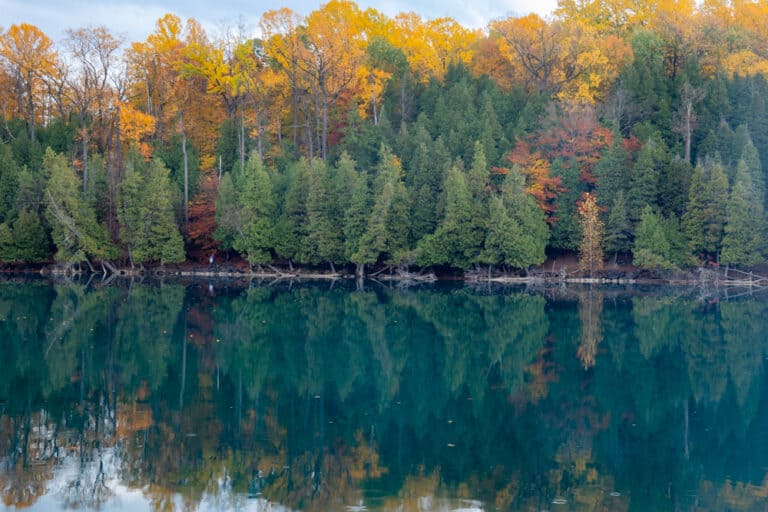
[(74, 230), (453, 243), (618, 228), (256, 213), (745, 222), (325, 215), (644, 185), (652, 249), (291, 231), (146, 215), (612, 173), (704, 217)]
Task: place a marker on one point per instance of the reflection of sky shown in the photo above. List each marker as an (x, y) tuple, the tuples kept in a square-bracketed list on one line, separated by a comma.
[(135, 18), (63, 492)]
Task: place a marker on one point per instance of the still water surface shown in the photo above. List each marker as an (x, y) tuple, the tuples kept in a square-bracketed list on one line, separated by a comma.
[(170, 397)]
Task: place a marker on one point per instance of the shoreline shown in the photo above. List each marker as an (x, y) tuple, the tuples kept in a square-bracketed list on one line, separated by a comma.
[(695, 277)]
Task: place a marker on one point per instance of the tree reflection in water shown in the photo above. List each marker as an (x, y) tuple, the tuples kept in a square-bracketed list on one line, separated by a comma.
[(317, 398)]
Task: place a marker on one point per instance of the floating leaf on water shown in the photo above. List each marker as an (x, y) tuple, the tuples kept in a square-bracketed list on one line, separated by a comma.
[(559, 501), (614, 494)]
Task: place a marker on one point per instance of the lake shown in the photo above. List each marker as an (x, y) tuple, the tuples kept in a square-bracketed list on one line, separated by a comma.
[(297, 396)]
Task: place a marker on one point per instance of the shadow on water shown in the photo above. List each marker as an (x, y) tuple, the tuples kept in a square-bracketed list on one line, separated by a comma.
[(214, 396)]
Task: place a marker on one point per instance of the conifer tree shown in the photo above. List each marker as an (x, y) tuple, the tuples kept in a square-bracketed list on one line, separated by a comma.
[(745, 222), (644, 185), (257, 213), (146, 215), (618, 228), (652, 249), (611, 172), (454, 238), (74, 230), (292, 227), (704, 217)]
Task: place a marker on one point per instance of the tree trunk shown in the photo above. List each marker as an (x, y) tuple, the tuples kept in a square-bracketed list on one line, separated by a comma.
[(85, 157), (324, 141), (688, 130), (186, 177), (333, 268), (260, 136), (31, 107), (241, 142)]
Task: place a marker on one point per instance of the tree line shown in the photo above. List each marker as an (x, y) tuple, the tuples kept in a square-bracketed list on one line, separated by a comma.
[(346, 137)]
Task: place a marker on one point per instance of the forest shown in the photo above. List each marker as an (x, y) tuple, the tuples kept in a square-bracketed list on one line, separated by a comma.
[(347, 138)]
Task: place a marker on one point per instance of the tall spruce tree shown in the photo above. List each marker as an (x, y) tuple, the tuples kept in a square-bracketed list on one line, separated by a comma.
[(745, 222), (146, 215), (704, 217), (257, 213), (74, 230), (453, 242)]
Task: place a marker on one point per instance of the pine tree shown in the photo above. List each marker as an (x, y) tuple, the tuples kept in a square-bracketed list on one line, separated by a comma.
[(356, 221), (257, 213), (644, 186), (292, 227), (566, 230), (704, 217), (612, 172), (529, 249), (146, 214), (652, 249), (228, 221), (454, 238), (479, 191), (324, 213), (74, 230), (502, 238), (618, 228), (744, 226)]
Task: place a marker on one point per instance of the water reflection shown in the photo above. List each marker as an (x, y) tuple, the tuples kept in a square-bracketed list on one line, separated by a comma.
[(304, 397)]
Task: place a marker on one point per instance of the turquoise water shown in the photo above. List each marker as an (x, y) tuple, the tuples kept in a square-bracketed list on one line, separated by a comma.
[(313, 397)]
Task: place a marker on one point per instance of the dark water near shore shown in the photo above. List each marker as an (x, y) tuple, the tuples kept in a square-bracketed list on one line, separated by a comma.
[(166, 397)]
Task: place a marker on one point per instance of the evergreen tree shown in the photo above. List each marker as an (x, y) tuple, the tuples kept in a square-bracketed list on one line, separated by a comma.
[(454, 238), (611, 172), (674, 185), (74, 230), (24, 241), (618, 228), (292, 227), (356, 221), (754, 166), (478, 183), (228, 221), (502, 238), (325, 215), (566, 230), (652, 249), (534, 231), (257, 213), (9, 183), (644, 186), (744, 227), (704, 217), (387, 234), (146, 215)]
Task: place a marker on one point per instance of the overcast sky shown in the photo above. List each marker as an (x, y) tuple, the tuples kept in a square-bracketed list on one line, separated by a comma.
[(135, 19)]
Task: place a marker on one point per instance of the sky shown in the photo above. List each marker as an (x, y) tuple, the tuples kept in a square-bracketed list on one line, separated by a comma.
[(135, 19)]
